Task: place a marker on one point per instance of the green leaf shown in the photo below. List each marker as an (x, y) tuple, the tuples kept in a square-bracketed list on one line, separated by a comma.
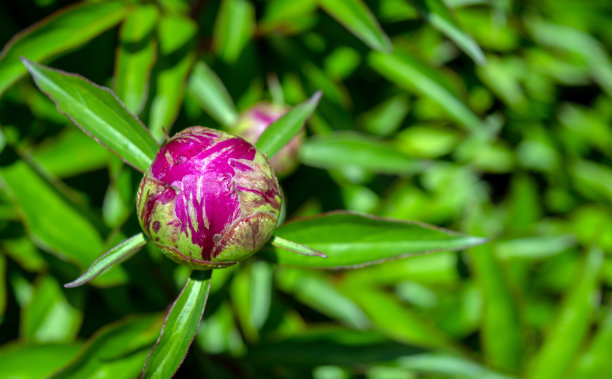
[(136, 56), (353, 240), (56, 155), (51, 315), (280, 132), (328, 346), (357, 18), (61, 228), (116, 351), (445, 365), (596, 358), (412, 75), (17, 359), (319, 293), (395, 320), (295, 247), (439, 16), (98, 113), (116, 255), (349, 150), (179, 328), (500, 326), (176, 55), (57, 34), (206, 87), (234, 27), (565, 336), (3, 287)]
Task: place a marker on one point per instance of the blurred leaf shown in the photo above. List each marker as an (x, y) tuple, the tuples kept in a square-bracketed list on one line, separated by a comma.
[(385, 118), (281, 131), (212, 95), (396, 320), (501, 335), (595, 360), (219, 333), (51, 316), (539, 247), (116, 351), (331, 346), (97, 111), (414, 76), (114, 256), (260, 292), (18, 359), (502, 77), (439, 16), (56, 229), (287, 16), (3, 287), (136, 56), (176, 55), (23, 251), (234, 27), (426, 141), (119, 197), (242, 302), (353, 240), (565, 336), (56, 155), (357, 18), (448, 366), (319, 293), (179, 328), (592, 179), (64, 30), (342, 150)]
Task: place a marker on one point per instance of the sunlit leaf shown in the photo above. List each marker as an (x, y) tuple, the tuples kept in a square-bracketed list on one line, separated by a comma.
[(17, 359), (352, 240), (176, 36), (60, 32), (135, 57), (358, 19), (97, 111), (179, 328), (212, 95)]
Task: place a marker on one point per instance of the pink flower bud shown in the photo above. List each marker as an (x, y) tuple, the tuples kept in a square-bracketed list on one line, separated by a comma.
[(209, 199)]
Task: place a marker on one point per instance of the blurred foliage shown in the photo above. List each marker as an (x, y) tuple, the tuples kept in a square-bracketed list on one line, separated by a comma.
[(492, 117)]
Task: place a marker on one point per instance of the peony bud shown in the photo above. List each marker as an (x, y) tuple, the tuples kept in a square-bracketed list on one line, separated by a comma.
[(253, 122), (209, 199)]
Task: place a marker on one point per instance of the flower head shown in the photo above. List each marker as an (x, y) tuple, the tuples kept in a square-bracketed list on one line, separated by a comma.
[(209, 199)]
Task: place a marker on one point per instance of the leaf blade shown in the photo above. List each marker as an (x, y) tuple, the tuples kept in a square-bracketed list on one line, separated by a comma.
[(354, 240), (280, 132), (116, 255), (180, 325), (57, 34), (359, 20), (98, 112)]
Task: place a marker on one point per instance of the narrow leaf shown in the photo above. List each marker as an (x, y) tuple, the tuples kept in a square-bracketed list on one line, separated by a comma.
[(348, 149), (116, 255), (439, 16), (135, 57), (176, 55), (206, 87), (596, 358), (566, 334), (179, 328), (288, 126), (98, 112), (59, 33), (414, 76), (17, 359), (353, 240), (357, 18), (60, 228), (234, 27), (500, 329), (296, 247), (117, 350)]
